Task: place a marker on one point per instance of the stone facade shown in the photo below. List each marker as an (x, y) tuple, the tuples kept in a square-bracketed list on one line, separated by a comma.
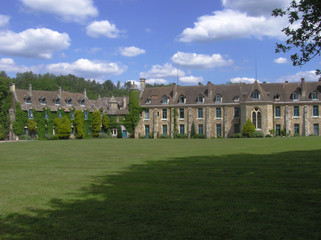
[(222, 110)]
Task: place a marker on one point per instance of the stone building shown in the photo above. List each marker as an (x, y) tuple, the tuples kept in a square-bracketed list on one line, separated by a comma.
[(59, 102), (222, 110)]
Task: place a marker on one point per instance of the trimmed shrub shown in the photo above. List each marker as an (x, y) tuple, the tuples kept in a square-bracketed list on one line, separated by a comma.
[(63, 128), (199, 136), (257, 134), (79, 123), (96, 123), (237, 135), (164, 136), (248, 128), (180, 136)]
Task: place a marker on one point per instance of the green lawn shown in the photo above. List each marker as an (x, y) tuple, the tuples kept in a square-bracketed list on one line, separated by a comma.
[(161, 189)]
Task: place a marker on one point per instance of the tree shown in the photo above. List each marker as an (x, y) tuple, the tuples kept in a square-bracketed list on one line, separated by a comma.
[(78, 124), (248, 128), (132, 118), (96, 124), (63, 127), (119, 132), (32, 127), (105, 122), (304, 31), (193, 131)]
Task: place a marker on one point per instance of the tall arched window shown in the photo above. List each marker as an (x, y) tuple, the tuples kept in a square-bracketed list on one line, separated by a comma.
[(257, 118)]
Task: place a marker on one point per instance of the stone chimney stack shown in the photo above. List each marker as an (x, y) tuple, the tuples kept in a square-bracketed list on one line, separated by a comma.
[(59, 91), (30, 90), (125, 102), (85, 93), (209, 90), (142, 86), (303, 88), (13, 87)]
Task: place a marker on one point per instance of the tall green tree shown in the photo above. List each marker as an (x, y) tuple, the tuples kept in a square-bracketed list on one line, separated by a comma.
[(79, 124), (193, 130), (32, 127), (5, 103), (96, 123), (105, 122), (63, 127), (119, 132), (132, 118), (303, 32), (248, 128)]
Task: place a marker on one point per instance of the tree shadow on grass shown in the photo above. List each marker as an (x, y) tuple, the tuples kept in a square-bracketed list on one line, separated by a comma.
[(276, 196)]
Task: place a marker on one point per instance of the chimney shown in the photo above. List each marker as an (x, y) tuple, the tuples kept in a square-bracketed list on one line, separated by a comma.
[(142, 86), (13, 87), (59, 91), (85, 93), (174, 91), (30, 89), (125, 102), (209, 90), (303, 87)]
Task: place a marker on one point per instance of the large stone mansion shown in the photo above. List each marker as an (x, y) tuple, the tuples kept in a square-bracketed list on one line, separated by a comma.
[(215, 110)]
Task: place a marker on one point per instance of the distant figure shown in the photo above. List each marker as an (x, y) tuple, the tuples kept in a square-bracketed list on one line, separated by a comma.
[(17, 138)]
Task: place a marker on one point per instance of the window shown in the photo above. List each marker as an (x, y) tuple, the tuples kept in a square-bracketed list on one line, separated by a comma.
[(236, 99), (296, 111), (277, 97), (218, 112), (43, 101), (315, 111), (200, 129), (181, 99), (28, 100), (82, 102), (46, 114), (26, 131), (218, 98), (148, 101), (72, 114), (316, 129), (165, 129), (256, 95), (200, 99), (314, 96), (69, 101), (181, 129), (59, 113), (256, 118), (181, 113), (236, 128), (277, 111), (296, 129), (218, 129), (164, 113), (236, 112), (85, 114), (146, 114), (146, 131), (164, 100), (30, 114), (278, 130), (200, 113), (295, 96)]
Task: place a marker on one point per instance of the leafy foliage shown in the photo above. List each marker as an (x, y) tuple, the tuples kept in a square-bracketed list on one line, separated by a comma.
[(119, 132), (20, 121), (5, 104), (96, 123), (32, 127), (78, 124), (306, 37), (133, 117), (248, 128), (105, 122), (63, 128), (193, 130)]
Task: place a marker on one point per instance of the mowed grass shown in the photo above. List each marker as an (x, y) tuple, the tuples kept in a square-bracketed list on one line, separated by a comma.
[(161, 189)]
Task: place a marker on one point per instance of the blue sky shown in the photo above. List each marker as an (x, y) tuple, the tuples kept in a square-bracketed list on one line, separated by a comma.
[(184, 41)]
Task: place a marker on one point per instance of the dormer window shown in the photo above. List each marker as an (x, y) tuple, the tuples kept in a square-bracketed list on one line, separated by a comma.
[(57, 101), (28, 100), (218, 98), (314, 96), (69, 101), (256, 95), (200, 99), (164, 100), (277, 97), (181, 99), (43, 100), (295, 96), (236, 99), (82, 103), (148, 101)]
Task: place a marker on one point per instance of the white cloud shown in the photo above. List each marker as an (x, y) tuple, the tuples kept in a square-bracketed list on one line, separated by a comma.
[(191, 79), (9, 65), (69, 10), (308, 75), (87, 68), (102, 29), (131, 51), (254, 7), (166, 71), (4, 20), (232, 24), (193, 60), (280, 60), (242, 80), (33, 43), (157, 81)]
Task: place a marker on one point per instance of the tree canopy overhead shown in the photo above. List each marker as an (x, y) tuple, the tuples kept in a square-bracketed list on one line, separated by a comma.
[(304, 31)]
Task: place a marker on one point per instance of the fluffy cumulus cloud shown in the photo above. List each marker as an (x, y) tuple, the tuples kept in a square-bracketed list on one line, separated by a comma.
[(102, 29), (161, 72), (280, 60), (193, 60), (254, 7), (10, 66), (242, 80), (308, 75), (156, 81), (191, 80), (232, 24), (70, 10), (33, 43), (87, 68), (131, 51), (4, 20)]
